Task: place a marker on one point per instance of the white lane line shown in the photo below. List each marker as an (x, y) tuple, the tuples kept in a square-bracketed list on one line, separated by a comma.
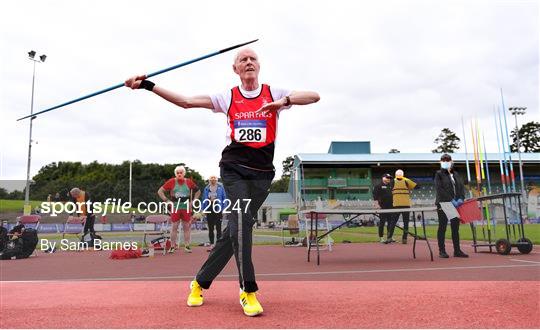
[(398, 270), (532, 262)]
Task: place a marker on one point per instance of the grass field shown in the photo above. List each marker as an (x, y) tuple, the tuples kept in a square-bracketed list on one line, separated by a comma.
[(7, 205), (370, 234), (355, 235)]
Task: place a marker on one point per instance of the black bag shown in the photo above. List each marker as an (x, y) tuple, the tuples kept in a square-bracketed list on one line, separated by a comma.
[(3, 238), (30, 241), (13, 248), (17, 229)]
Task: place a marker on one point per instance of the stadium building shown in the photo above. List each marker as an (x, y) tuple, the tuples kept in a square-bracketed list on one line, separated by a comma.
[(347, 172)]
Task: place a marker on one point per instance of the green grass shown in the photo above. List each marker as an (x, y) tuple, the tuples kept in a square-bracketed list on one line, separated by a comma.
[(338, 236), (370, 234), (355, 235), (7, 205)]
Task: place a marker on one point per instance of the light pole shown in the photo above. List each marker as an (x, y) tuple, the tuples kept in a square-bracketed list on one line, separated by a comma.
[(40, 59), (519, 111)]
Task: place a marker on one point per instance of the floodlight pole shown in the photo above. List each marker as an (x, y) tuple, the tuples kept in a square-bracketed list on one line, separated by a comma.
[(31, 56)]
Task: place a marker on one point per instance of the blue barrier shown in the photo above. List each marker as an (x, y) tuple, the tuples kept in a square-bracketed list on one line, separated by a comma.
[(121, 227), (48, 228)]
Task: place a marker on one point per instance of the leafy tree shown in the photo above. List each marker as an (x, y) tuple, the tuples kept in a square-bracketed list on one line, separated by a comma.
[(282, 185), (529, 136), (394, 151), (287, 166), (3, 193), (106, 180), (447, 142), (16, 194)]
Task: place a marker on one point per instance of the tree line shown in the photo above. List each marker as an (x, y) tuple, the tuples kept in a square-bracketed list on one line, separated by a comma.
[(102, 180), (529, 140)]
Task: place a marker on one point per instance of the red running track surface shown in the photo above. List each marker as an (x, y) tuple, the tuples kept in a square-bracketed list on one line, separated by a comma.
[(307, 304), (366, 262), (356, 286)]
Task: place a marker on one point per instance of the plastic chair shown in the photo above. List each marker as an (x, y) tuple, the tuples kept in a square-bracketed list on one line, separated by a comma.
[(74, 226), (163, 222), (324, 227), (294, 229), (29, 221)]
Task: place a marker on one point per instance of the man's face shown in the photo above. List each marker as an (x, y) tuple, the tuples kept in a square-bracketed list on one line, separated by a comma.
[(74, 194), (385, 180), (213, 180), (180, 174), (246, 64)]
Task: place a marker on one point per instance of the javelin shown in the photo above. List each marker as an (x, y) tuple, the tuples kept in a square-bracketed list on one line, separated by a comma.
[(148, 76)]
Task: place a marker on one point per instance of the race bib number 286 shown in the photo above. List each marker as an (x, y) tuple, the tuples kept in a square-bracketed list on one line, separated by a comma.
[(250, 130)]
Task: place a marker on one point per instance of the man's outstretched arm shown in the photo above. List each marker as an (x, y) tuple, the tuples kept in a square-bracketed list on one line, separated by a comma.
[(201, 101), (295, 98), (303, 97)]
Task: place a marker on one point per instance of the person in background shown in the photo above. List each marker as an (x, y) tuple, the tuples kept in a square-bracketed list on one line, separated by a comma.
[(402, 199), (449, 188), (83, 198), (180, 191), (382, 195), (213, 203)]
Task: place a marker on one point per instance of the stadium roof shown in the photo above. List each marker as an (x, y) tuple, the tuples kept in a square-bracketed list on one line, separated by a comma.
[(279, 198), (402, 158)]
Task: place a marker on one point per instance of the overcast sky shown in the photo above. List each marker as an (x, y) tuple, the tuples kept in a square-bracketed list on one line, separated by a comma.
[(391, 72)]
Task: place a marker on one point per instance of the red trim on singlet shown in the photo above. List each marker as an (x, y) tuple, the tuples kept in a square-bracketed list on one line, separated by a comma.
[(242, 114)]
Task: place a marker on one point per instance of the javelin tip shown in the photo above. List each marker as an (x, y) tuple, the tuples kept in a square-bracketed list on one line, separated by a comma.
[(237, 46)]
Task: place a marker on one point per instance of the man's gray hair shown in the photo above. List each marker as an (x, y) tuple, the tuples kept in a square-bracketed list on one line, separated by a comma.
[(241, 50), (179, 168)]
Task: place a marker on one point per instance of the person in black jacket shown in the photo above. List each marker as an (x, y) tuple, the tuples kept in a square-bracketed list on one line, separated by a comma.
[(449, 188), (382, 195)]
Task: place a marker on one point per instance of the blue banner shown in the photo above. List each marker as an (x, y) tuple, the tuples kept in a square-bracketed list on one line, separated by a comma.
[(121, 227), (249, 123)]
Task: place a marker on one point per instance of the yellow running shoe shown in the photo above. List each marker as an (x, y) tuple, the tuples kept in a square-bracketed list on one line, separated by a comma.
[(249, 303), (195, 297)]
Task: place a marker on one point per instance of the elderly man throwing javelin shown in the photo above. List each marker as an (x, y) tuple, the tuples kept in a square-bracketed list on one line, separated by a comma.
[(252, 111)]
